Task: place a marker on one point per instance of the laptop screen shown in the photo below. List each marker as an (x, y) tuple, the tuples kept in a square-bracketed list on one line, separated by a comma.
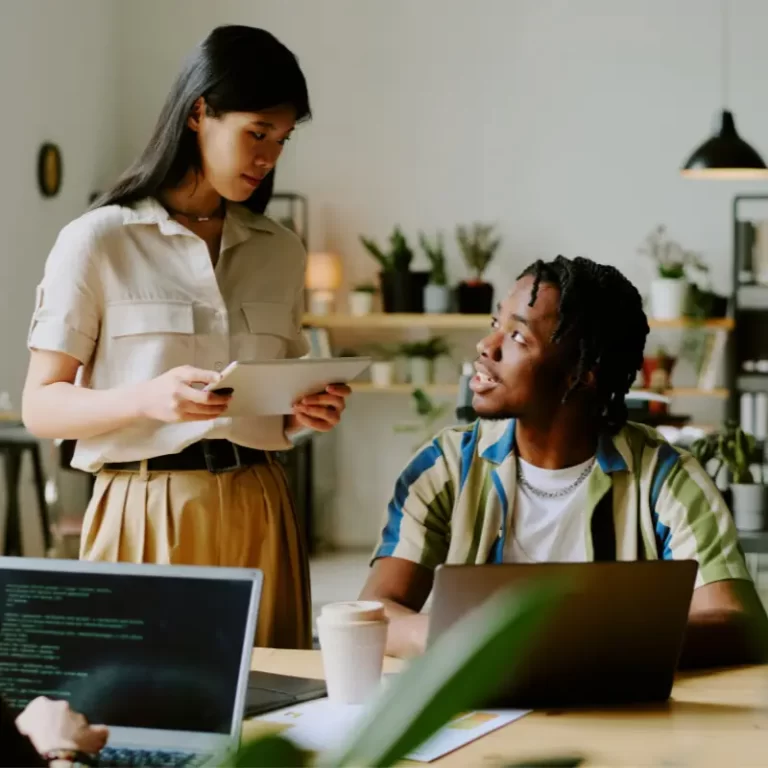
[(135, 651)]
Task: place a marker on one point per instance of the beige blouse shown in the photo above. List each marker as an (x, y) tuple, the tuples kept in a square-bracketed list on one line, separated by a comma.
[(131, 293)]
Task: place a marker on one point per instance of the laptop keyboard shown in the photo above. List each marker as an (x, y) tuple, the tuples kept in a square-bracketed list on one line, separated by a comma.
[(141, 758)]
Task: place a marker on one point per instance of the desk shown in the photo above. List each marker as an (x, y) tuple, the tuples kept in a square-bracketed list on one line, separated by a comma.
[(717, 718)]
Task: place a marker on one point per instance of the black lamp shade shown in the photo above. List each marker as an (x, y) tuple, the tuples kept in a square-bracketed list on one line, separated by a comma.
[(725, 156)]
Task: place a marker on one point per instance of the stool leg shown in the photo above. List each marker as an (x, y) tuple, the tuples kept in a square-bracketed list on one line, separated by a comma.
[(12, 458), (39, 476)]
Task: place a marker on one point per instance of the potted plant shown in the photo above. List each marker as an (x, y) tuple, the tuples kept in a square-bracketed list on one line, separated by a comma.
[(456, 674), (475, 296), (383, 366), (657, 376), (437, 294), (736, 450), (670, 289), (421, 357), (401, 289), (361, 299), (427, 414)]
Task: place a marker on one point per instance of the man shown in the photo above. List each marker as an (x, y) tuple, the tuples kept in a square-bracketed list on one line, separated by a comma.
[(552, 470)]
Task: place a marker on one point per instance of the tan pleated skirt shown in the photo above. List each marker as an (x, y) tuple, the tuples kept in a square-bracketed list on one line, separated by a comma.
[(243, 518)]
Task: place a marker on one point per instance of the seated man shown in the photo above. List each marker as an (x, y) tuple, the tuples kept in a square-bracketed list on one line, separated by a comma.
[(553, 472)]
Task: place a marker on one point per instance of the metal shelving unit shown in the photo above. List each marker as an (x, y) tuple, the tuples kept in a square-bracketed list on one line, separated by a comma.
[(746, 301)]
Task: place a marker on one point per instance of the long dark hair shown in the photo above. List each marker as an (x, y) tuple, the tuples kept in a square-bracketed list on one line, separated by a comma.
[(236, 69)]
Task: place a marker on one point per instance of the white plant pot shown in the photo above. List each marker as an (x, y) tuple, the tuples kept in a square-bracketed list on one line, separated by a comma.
[(360, 303), (748, 502), (668, 298), (382, 373), (421, 371), (437, 299)]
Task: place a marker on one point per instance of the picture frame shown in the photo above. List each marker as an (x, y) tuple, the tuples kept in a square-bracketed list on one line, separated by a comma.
[(49, 169)]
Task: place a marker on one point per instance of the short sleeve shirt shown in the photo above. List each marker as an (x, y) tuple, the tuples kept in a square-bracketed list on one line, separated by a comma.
[(131, 293)]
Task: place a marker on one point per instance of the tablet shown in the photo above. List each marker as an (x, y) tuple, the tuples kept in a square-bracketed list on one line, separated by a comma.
[(271, 387)]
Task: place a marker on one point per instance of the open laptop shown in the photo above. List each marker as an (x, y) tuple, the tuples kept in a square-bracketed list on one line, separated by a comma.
[(615, 638), (160, 654)]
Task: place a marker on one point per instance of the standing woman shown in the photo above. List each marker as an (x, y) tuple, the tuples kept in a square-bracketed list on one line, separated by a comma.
[(173, 274)]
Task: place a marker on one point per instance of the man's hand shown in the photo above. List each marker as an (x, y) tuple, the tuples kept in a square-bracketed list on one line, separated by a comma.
[(51, 725)]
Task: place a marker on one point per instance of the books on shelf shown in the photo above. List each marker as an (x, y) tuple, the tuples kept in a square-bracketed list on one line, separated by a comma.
[(712, 358)]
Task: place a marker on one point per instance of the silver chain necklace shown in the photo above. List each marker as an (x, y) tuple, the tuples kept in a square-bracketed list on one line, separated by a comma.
[(554, 494)]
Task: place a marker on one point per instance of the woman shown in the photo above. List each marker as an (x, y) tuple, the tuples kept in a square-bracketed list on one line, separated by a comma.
[(173, 274)]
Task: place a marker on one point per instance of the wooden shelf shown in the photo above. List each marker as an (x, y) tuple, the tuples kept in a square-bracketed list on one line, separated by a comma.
[(405, 389), (382, 320), (452, 389), (387, 320)]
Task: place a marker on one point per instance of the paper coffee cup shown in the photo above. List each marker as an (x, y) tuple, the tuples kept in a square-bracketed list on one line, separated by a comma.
[(353, 637)]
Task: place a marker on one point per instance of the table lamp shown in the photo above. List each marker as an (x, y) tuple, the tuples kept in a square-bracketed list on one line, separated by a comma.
[(322, 279)]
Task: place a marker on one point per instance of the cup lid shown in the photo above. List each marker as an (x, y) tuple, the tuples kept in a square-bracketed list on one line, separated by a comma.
[(354, 610)]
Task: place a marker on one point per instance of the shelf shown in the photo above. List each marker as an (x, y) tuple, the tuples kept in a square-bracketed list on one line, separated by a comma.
[(717, 324), (382, 320), (387, 320), (405, 389), (452, 389), (752, 297)]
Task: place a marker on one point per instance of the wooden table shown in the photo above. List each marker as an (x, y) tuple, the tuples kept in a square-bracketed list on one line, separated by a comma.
[(717, 718)]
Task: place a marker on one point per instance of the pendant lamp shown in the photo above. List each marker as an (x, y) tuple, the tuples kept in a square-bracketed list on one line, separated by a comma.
[(725, 155)]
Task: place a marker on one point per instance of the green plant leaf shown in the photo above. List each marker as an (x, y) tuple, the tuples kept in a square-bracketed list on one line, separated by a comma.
[(430, 349), (270, 751), (436, 255), (731, 446), (377, 253), (477, 246), (457, 673)]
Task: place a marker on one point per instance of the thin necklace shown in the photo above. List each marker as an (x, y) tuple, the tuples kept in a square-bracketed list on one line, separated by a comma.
[(217, 214), (554, 494)]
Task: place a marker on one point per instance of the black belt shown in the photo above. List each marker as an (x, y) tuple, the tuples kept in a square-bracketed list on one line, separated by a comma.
[(214, 455)]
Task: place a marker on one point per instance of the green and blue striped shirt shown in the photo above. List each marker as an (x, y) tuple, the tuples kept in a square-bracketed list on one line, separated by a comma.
[(646, 499)]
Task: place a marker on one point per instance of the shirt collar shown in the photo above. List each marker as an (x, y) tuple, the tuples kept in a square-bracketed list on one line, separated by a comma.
[(149, 211), (609, 457)]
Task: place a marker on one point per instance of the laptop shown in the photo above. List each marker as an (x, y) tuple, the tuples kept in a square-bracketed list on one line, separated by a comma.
[(614, 639), (268, 691), (160, 654)]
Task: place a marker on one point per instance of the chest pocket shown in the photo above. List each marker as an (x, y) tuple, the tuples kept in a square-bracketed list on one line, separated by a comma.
[(148, 338), (267, 331)]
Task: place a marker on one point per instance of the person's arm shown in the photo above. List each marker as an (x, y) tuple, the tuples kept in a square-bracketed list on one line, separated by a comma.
[(414, 541), (55, 729), (403, 587), (16, 750), (53, 407), (65, 328), (727, 623)]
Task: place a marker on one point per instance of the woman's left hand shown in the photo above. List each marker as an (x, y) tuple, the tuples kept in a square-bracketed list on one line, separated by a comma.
[(320, 412)]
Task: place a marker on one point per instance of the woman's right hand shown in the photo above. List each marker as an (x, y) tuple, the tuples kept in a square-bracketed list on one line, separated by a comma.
[(172, 398)]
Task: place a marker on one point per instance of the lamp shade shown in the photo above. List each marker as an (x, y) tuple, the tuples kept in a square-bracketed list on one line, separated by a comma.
[(323, 272), (725, 156)]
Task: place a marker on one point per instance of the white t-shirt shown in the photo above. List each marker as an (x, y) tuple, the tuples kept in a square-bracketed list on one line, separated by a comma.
[(548, 529)]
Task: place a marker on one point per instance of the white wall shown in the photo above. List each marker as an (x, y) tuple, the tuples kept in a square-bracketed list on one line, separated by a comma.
[(57, 76), (564, 122)]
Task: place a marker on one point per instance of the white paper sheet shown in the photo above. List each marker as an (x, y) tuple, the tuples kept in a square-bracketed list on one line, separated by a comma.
[(320, 725)]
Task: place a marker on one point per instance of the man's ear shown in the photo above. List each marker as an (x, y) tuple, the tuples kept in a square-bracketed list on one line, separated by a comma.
[(587, 380), (196, 115)]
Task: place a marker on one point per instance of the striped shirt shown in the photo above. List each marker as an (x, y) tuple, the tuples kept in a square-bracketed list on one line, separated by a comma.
[(646, 500)]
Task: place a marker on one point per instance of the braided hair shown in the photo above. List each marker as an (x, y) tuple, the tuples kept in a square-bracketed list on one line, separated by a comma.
[(601, 319)]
